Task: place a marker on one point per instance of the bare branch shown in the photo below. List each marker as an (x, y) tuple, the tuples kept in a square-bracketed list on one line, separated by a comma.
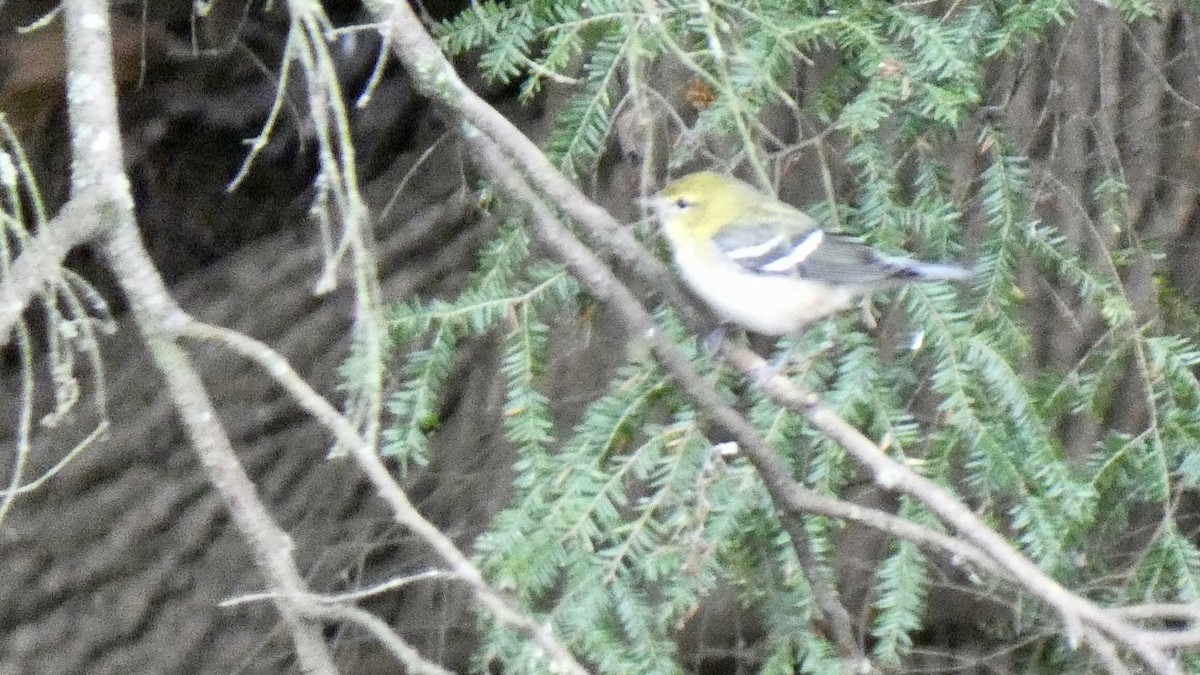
[(40, 263), (98, 167), (335, 608), (1104, 649), (405, 653), (381, 479), (377, 589), (1160, 611)]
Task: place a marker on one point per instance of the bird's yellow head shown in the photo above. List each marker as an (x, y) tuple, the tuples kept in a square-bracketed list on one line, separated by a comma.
[(696, 206)]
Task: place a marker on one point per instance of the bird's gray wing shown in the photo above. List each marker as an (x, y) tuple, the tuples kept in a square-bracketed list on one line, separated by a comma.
[(810, 254)]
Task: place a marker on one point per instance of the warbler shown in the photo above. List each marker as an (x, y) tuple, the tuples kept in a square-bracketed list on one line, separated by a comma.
[(766, 265)]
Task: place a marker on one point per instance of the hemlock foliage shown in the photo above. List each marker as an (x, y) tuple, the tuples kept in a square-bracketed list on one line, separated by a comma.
[(619, 530)]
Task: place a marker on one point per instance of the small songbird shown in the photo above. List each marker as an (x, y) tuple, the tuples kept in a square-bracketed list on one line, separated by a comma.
[(768, 266)]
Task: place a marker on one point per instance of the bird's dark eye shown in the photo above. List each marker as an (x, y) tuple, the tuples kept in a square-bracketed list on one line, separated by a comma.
[(682, 203)]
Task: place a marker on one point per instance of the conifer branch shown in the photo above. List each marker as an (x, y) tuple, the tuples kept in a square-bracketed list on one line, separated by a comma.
[(1078, 613)]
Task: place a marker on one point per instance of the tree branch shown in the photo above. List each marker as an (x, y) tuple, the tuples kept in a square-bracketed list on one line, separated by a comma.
[(1075, 610), (40, 263), (380, 478), (98, 168)]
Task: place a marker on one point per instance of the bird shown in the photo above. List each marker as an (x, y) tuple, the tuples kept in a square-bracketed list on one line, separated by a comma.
[(767, 266)]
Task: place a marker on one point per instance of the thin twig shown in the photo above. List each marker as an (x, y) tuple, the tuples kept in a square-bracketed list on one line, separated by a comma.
[(397, 646), (40, 263), (377, 589)]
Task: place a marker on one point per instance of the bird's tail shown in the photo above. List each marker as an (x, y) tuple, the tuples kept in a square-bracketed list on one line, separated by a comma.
[(923, 271)]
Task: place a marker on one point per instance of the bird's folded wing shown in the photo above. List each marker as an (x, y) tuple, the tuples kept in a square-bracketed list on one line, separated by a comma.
[(765, 248)]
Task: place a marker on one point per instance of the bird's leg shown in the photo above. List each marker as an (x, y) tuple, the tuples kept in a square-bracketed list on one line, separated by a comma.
[(714, 340), (778, 364)]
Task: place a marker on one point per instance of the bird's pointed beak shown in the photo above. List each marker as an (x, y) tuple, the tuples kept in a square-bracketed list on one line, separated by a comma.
[(648, 203), (652, 202)]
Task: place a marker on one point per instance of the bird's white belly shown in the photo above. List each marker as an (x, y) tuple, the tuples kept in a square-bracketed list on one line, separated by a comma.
[(770, 305)]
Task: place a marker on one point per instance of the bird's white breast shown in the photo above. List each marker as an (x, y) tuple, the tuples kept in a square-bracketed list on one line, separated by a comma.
[(771, 305)]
